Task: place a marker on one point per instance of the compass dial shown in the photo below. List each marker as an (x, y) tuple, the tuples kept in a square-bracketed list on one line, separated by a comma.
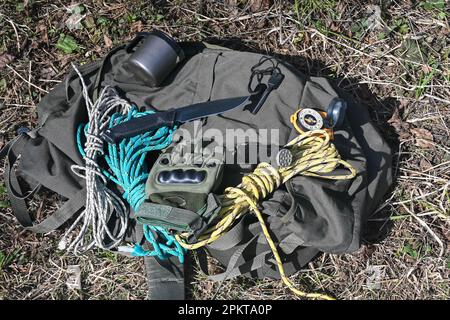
[(310, 119)]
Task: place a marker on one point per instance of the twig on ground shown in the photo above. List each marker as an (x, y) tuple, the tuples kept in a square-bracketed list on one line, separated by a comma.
[(21, 77), (423, 224)]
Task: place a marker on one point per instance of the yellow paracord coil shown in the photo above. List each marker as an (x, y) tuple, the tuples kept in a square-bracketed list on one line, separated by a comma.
[(313, 155)]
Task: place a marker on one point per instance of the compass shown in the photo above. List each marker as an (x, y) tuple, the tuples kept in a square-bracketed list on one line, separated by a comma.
[(309, 119)]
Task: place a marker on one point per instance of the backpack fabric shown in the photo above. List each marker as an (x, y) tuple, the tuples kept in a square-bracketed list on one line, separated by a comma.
[(305, 216)]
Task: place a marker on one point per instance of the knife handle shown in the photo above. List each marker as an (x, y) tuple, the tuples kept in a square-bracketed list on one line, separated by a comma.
[(139, 125)]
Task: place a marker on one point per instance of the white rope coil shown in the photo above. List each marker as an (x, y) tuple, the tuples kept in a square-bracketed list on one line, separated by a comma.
[(102, 204)]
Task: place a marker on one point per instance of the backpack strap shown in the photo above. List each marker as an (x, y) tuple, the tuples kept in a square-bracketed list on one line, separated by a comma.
[(62, 215), (18, 196), (165, 278), (236, 266), (260, 263), (234, 269), (242, 263)]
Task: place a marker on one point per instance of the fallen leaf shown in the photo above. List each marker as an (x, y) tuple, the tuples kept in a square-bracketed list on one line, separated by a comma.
[(66, 43), (76, 9), (334, 27), (424, 164), (374, 21), (108, 41), (74, 22), (401, 127), (411, 50), (426, 69), (424, 138), (34, 44), (421, 133), (425, 144), (89, 22), (47, 73), (42, 30), (137, 27), (5, 58), (260, 5), (403, 103)]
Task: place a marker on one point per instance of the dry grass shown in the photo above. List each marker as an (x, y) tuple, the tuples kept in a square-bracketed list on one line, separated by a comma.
[(396, 64)]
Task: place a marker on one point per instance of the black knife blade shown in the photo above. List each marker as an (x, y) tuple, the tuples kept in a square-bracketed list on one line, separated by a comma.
[(172, 117)]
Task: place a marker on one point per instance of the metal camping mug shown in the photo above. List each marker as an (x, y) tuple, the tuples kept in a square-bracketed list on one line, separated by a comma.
[(155, 58)]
